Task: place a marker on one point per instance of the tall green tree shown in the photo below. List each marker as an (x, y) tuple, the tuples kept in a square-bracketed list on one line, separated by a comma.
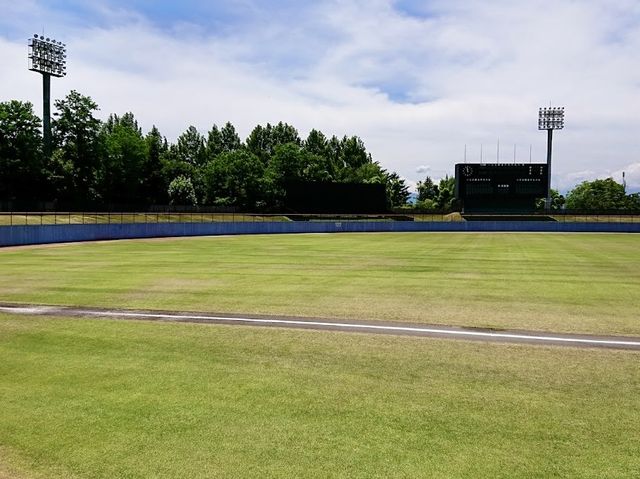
[(427, 190), (597, 195), (154, 186), (213, 145), (262, 141), (78, 149), (234, 178), (286, 165), (284, 133), (316, 143), (230, 138), (446, 193), (191, 147), (221, 141), (397, 191), (633, 202), (428, 194), (354, 153), (20, 151), (120, 177)]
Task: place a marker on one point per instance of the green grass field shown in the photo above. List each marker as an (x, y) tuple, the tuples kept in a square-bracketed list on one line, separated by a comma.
[(558, 282), (111, 399)]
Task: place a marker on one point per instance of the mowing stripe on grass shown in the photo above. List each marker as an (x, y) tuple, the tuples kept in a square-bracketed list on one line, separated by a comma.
[(433, 331)]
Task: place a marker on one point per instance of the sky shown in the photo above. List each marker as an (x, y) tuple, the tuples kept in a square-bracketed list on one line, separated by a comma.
[(421, 82)]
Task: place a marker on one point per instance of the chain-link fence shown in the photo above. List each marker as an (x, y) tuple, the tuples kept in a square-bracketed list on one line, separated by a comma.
[(75, 217)]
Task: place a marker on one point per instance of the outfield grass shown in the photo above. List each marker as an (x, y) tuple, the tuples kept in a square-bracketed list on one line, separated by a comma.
[(558, 282), (111, 399)]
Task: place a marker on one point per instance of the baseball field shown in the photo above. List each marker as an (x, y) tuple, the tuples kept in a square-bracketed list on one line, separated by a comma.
[(81, 397)]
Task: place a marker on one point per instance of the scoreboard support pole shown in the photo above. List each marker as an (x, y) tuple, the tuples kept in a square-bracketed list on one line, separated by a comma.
[(549, 143)]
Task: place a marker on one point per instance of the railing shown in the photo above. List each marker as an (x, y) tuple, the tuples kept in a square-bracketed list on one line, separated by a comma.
[(67, 218)]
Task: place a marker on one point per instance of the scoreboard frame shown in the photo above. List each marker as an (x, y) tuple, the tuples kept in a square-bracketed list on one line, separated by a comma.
[(500, 187)]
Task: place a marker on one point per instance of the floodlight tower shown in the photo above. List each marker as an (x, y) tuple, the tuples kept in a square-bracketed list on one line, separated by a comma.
[(550, 119), (48, 57)]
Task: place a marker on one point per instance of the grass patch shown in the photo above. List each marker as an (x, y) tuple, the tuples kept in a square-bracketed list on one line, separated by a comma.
[(558, 282), (103, 399)]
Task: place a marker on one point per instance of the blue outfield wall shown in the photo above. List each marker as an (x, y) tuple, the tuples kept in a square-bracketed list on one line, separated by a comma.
[(41, 234)]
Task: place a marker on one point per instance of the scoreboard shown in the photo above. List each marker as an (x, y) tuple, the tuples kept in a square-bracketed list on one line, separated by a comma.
[(500, 187)]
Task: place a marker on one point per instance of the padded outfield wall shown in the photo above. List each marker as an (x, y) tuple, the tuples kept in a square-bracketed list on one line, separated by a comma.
[(43, 234)]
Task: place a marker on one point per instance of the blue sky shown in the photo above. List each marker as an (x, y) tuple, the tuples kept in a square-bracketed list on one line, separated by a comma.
[(417, 80)]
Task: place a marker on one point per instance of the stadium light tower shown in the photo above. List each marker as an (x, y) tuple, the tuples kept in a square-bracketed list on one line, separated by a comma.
[(550, 119), (48, 57)]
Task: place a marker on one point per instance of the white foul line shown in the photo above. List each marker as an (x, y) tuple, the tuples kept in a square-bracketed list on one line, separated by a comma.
[(354, 326), (373, 327)]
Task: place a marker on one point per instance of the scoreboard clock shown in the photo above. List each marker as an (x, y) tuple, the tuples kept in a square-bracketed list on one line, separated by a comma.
[(467, 170)]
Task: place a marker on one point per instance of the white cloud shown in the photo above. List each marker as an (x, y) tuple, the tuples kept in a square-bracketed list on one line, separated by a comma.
[(469, 72)]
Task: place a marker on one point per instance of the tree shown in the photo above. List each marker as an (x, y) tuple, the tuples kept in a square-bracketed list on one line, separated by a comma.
[(316, 143), (20, 151), (234, 178), (191, 147), (287, 163), (397, 191), (213, 146), (427, 190), (428, 193), (446, 193), (597, 195), (262, 141), (353, 152), (154, 188), (315, 167), (221, 141), (76, 136), (181, 192), (557, 201), (367, 173), (120, 177), (230, 139), (284, 133), (633, 202)]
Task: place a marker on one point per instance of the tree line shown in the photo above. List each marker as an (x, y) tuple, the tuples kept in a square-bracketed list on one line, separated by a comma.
[(113, 162), (96, 163)]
